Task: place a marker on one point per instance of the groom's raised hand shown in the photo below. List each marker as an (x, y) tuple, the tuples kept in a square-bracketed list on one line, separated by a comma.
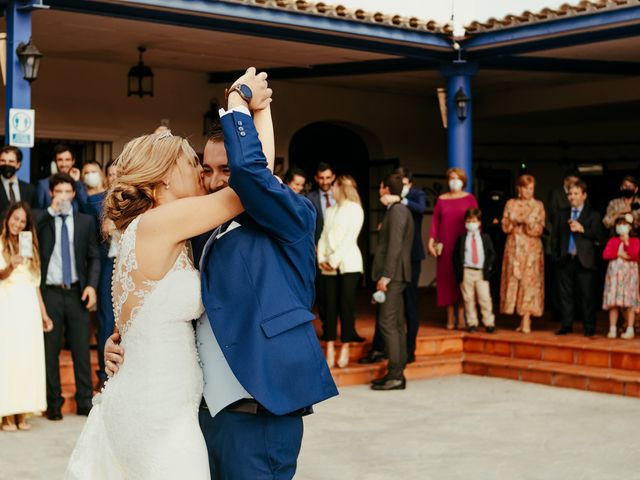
[(261, 93), (113, 355)]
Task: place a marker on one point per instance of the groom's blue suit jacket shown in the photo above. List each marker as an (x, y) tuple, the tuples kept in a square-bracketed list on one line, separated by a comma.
[(258, 283)]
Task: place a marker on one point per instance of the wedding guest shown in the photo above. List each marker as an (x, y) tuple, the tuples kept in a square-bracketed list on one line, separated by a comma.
[(95, 181), (65, 160), (23, 318), (447, 225), (628, 202), (522, 282), (296, 179), (621, 283), (70, 266), (110, 172), (473, 260), (340, 261), (391, 270), (13, 190), (322, 199), (577, 233)]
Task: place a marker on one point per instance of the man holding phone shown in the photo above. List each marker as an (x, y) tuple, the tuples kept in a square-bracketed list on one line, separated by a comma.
[(70, 263)]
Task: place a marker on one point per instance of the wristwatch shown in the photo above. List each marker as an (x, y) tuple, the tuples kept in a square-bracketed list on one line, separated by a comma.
[(243, 90)]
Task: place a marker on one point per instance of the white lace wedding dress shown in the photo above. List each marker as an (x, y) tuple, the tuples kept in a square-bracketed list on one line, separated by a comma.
[(144, 424)]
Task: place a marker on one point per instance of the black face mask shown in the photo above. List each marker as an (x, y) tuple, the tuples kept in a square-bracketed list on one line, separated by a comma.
[(627, 193), (7, 171)]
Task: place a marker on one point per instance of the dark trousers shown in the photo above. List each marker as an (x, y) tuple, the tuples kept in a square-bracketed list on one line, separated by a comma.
[(320, 299), (576, 285), (392, 325), (411, 307), (251, 447), (71, 321), (106, 321), (340, 298)]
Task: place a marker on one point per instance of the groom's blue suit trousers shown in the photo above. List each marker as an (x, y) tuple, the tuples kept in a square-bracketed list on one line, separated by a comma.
[(251, 447)]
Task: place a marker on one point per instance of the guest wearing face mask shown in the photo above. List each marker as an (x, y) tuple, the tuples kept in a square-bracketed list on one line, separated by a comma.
[(522, 281), (473, 259), (94, 180), (621, 283), (628, 202), (13, 190), (447, 225)]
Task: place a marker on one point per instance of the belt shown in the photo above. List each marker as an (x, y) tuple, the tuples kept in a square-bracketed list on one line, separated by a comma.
[(472, 268), (252, 407), (64, 287)]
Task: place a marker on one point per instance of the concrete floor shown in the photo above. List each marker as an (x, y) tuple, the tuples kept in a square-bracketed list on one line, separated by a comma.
[(448, 428)]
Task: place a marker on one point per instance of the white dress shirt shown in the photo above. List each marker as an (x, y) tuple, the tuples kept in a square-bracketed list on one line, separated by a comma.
[(323, 200), (16, 188), (468, 257), (54, 272)]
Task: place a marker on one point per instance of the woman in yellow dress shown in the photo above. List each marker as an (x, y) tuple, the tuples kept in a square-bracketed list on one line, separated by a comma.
[(522, 283), (23, 317)]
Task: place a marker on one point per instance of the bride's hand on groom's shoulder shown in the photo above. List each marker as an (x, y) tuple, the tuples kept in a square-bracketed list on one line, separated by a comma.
[(261, 93), (113, 355)]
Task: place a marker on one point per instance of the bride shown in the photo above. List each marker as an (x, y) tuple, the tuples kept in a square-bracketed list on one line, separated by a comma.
[(144, 425)]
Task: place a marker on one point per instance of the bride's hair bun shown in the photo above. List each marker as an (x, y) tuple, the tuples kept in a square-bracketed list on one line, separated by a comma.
[(144, 162)]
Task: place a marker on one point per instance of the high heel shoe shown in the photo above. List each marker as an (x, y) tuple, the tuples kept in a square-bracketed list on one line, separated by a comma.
[(331, 355), (343, 360), (22, 423), (628, 334), (8, 424)]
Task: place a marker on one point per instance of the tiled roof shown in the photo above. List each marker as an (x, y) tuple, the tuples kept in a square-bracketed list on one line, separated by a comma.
[(355, 14), (583, 7), (548, 14)]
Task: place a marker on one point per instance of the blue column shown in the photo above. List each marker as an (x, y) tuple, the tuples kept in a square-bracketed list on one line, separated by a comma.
[(458, 75), (18, 90)]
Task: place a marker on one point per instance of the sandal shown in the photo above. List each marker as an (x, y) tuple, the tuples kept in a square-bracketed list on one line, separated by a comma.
[(8, 424)]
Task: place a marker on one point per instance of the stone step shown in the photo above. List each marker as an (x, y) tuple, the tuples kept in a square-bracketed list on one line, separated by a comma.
[(426, 345), (545, 346), (427, 366), (558, 374)]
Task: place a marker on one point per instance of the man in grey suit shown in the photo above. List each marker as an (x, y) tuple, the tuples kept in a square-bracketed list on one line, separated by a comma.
[(392, 271)]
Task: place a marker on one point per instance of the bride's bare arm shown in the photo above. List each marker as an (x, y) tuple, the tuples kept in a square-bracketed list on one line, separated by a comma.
[(264, 125)]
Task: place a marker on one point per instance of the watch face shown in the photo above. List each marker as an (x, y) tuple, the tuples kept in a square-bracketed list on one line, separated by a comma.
[(246, 91)]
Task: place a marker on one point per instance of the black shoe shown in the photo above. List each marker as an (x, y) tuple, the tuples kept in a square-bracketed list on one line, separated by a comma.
[(358, 339), (411, 358), (54, 414), (383, 380), (373, 357), (490, 329), (84, 411), (399, 384), (472, 329), (564, 330)]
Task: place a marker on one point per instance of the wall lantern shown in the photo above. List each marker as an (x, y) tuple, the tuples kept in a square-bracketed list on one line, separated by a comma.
[(29, 57), (210, 118), (462, 104), (140, 78)]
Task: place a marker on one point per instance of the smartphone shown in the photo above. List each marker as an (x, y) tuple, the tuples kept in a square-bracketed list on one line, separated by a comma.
[(25, 241)]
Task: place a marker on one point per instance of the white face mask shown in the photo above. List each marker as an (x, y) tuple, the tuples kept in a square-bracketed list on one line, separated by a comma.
[(472, 226), (92, 179), (622, 229), (455, 185), (405, 191)]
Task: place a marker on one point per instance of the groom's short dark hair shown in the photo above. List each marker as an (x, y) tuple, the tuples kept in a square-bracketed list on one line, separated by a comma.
[(215, 133)]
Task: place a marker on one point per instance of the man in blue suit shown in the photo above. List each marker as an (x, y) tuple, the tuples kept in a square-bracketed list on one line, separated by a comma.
[(65, 162), (262, 363)]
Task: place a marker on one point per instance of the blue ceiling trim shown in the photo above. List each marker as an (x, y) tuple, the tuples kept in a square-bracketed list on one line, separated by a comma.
[(270, 23), (565, 32), (334, 69)]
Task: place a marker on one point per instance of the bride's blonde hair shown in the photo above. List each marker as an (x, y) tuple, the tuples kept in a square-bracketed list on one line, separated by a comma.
[(141, 166)]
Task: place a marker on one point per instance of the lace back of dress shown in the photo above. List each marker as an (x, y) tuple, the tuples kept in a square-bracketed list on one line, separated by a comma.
[(129, 286)]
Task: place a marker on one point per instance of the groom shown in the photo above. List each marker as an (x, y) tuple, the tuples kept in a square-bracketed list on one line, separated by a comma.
[(262, 363)]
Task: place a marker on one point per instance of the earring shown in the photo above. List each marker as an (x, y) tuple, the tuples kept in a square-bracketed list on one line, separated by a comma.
[(166, 185)]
